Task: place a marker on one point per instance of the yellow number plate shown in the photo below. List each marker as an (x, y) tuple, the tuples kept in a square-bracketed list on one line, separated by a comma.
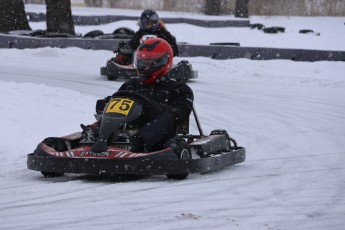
[(120, 105)]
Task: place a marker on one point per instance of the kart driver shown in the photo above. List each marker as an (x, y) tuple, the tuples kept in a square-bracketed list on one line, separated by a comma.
[(172, 101), (149, 24)]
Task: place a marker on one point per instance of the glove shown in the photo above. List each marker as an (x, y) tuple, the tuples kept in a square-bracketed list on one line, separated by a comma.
[(87, 135)]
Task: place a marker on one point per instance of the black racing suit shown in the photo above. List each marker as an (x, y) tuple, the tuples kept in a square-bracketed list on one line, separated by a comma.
[(161, 32), (159, 123)]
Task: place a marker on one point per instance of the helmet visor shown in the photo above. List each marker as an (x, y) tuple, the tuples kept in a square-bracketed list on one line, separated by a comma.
[(151, 65), (149, 22)]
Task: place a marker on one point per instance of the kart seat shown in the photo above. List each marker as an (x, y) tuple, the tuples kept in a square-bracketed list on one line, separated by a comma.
[(183, 128)]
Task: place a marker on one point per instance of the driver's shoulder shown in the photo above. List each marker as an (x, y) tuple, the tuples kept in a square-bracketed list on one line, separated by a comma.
[(131, 84), (179, 87)]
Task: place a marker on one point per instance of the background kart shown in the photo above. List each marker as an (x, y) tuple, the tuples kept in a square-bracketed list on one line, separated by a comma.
[(113, 70), (182, 72), (123, 67)]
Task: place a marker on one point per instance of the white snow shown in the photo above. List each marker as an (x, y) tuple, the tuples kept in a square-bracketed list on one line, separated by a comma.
[(289, 115)]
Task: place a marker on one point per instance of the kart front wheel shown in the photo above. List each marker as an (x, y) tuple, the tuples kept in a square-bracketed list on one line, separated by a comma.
[(104, 71), (183, 152), (52, 174), (229, 141)]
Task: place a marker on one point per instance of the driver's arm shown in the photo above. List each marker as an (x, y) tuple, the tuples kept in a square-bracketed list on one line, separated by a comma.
[(182, 104), (135, 40)]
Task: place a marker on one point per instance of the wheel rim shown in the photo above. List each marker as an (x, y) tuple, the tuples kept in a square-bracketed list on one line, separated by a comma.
[(227, 145), (185, 154)]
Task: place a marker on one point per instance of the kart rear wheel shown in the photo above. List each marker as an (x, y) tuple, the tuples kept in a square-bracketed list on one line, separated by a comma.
[(104, 71), (112, 78), (183, 152), (56, 143), (229, 140), (59, 145)]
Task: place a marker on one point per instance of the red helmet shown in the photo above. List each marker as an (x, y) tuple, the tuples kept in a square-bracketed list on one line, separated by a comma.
[(153, 59)]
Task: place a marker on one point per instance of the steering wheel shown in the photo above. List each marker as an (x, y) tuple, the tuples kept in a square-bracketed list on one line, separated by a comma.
[(132, 93), (154, 106)]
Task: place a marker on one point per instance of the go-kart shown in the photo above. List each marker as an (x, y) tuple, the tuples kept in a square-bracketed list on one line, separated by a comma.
[(181, 72), (121, 66), (110, 154)]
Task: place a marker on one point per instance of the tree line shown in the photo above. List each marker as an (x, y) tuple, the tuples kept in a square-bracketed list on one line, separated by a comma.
[(59, 15), (58, 12)]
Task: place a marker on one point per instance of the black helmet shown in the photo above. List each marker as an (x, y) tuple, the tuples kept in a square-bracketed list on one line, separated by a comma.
[(149, 20)]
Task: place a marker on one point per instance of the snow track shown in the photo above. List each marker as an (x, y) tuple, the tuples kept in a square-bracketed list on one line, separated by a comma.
[(289, 116)]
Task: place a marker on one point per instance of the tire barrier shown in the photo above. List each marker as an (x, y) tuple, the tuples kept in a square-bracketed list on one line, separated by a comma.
[(273, 30), (308, 31), (218, 51), (105, 19), (259, 53)]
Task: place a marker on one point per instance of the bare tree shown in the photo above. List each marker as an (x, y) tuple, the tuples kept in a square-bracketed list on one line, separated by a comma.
[(241, 10), (213, 7), (13, 16), (94, 3), (59, 16)]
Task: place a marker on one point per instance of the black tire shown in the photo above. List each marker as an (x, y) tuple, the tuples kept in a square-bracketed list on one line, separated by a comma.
[(280, 29), (182, 80), (257, 26), (225, 44), (306, 31), (111, 78), (181, 72), (93, 34), (274, 30), (123, 31), (59, 145), (228, 139), (183, 151), (104, 71), (56, 143), (52, 174), (38, 33)]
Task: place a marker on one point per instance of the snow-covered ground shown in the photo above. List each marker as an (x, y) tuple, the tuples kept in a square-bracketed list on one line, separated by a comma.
[(289, 115)]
